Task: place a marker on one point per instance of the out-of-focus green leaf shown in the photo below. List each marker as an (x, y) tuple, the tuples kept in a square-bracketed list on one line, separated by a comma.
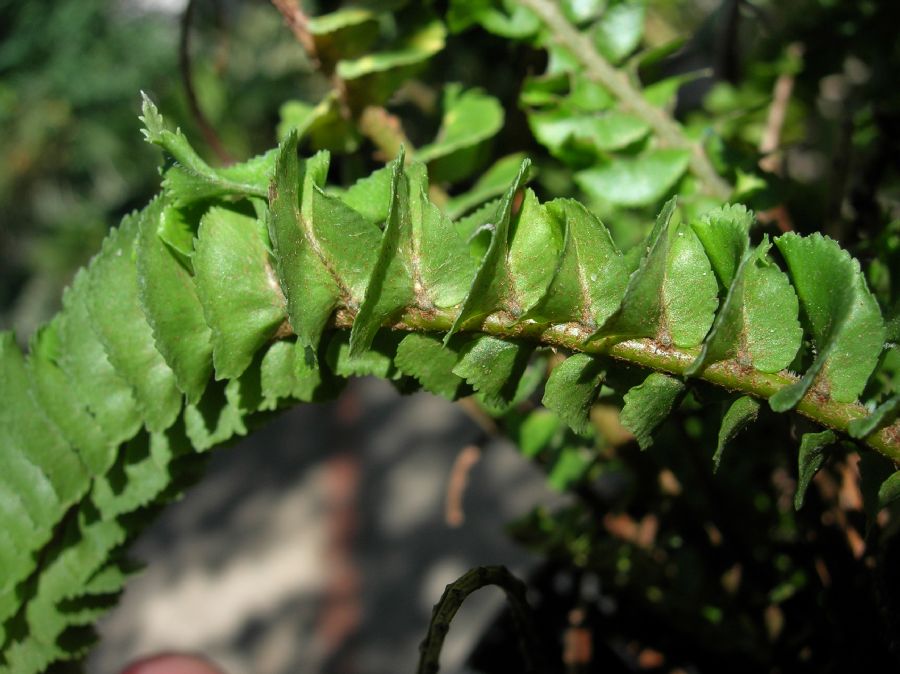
[(570, 135), (638, 181), (505, 18), (569, 467), (889, 490), (620, 29), (580, 11), (323, 124), (587, 95), (536, 431), (470, 117), (346, 33), (544, 90), (372, 78), (664, 93)]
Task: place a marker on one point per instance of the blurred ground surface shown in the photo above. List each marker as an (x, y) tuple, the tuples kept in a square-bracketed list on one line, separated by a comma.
[(319, 544)]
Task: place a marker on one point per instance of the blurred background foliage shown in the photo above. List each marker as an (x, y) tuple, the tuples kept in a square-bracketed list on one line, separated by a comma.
[(71, 158), (664, 564)]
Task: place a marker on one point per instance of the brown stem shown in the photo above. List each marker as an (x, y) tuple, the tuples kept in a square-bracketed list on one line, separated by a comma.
[(184, 62), (730, 375), (373, 121), (599, 69)]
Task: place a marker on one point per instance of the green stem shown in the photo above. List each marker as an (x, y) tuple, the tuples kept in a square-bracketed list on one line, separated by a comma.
[(631, 98), (454, 596), (648, 353)]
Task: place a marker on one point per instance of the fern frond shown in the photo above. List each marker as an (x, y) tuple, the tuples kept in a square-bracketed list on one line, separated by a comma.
[(214, 307)]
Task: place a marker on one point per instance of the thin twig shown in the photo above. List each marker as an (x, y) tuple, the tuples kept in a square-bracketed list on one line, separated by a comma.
[(771, 140), (485, 422), (454, 514), (184, 62), (298, 22), (781, 97), (454, 596), (385, 130), (374, 121), (618, 84)]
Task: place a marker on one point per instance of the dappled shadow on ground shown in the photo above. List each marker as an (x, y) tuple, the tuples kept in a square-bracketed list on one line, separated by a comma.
[(319, 544)]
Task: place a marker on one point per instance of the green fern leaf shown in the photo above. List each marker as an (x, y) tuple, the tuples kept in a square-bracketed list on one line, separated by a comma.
[(590, 276), (141, 473), (92, 421), (648, 404), (889, 491), (492, 290), (883, 415), (572, 388), (672, 296), (811, 458), (431, 363), (324, 250), (60, 402), (121, 326), (843, 318), (192, 179), (173, 311), (287, 377), (740, 413), (234, 277), (495, 368), (94, 380), (371, 196), (757, 325)]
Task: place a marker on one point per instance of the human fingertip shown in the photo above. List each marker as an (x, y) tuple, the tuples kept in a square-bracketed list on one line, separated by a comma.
[(172, 663)]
